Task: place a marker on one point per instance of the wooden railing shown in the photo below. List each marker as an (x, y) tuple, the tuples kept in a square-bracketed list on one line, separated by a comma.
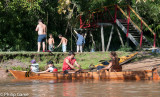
[(129, 18), (142, 22), (140, 19), (154, 44)]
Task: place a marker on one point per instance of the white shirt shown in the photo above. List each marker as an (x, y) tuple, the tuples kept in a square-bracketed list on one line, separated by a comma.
[(35, 67)]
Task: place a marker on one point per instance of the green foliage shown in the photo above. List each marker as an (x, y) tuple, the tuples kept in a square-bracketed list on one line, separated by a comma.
[(84, 59), (18, 68), (18, 19), (126, 48)]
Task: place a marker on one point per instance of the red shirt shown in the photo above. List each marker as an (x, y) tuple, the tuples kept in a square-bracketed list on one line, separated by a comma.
[(66, 66)]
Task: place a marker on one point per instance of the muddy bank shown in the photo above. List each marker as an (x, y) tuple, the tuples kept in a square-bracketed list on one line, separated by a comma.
[(31, 55), (5, 75), (9, 64), (145, 64)]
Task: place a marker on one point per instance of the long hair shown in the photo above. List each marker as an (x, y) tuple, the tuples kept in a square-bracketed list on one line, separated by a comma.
[(113, 53)]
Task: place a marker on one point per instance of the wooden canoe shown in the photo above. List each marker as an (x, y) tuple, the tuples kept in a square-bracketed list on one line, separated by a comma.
[(104, 74)]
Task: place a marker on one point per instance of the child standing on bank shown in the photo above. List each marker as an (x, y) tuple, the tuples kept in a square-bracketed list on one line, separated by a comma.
[(63, 42), (51, 42), (80, 41)]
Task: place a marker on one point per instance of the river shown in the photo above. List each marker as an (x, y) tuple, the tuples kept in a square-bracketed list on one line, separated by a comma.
[(87, 88)]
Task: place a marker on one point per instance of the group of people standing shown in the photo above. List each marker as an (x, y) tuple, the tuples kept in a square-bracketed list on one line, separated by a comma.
[(42, 35)]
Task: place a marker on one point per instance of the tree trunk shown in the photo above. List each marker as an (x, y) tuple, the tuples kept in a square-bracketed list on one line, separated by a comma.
[(93, 42)]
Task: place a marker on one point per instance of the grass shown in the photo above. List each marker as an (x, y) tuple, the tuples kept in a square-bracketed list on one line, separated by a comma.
[(84, 59)]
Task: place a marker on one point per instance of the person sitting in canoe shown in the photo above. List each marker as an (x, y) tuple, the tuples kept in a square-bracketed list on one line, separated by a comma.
[(34, 66), (69, 62), (114, 63), (51, 67)]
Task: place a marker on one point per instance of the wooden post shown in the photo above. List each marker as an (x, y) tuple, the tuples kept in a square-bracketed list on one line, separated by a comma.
[(102, 34), (71, 38), (154, 44), (128, 12), (115, 14), (120, 37), (110, 37), (81, 23), (46, 32), (93, 42), (141, 38), (102, 38)]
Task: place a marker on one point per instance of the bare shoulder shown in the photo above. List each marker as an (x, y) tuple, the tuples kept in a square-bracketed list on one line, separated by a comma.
[(38, 25), (65, 38), (43, 25)]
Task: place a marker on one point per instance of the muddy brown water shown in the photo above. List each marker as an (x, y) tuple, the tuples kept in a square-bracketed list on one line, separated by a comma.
[(81, 88)]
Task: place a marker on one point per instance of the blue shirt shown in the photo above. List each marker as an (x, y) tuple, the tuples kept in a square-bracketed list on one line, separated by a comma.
[(80, 40)]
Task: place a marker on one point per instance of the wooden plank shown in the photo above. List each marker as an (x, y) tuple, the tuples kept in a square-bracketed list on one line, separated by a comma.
[(110, 38), (120, 37), (102, 38)]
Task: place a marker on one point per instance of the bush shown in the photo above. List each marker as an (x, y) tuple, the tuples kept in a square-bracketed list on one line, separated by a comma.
[(126, 48)]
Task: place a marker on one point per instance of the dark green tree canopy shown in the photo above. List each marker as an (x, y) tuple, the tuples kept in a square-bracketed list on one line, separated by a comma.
[(18, 19)]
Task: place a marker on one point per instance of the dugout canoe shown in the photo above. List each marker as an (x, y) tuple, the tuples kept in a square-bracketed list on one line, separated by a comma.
[(104, 74)]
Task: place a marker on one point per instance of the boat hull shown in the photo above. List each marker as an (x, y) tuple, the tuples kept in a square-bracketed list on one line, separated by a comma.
[(126, 75)]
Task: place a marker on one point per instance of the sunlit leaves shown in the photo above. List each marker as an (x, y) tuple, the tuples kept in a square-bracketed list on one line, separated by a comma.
[(64, 5)]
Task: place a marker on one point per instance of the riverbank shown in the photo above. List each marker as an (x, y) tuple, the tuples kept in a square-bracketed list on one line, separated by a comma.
[(21, 60)]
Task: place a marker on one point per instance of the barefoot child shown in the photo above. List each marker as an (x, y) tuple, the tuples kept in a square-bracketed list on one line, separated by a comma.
[(63, 42), (51, 42)]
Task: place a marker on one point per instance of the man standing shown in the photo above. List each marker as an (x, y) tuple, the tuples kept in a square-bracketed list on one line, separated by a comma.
[(80, 41), (63, 42), (69, 62), (42, 30)]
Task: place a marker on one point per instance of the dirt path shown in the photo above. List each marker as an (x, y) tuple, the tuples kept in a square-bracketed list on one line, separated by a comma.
[(146, 64), (3, 73)]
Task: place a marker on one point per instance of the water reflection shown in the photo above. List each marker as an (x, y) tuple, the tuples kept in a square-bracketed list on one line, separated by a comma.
[(82, 88)]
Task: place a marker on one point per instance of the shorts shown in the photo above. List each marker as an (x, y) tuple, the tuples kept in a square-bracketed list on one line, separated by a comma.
[(41, 38), (64, 47), (51, 47)]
